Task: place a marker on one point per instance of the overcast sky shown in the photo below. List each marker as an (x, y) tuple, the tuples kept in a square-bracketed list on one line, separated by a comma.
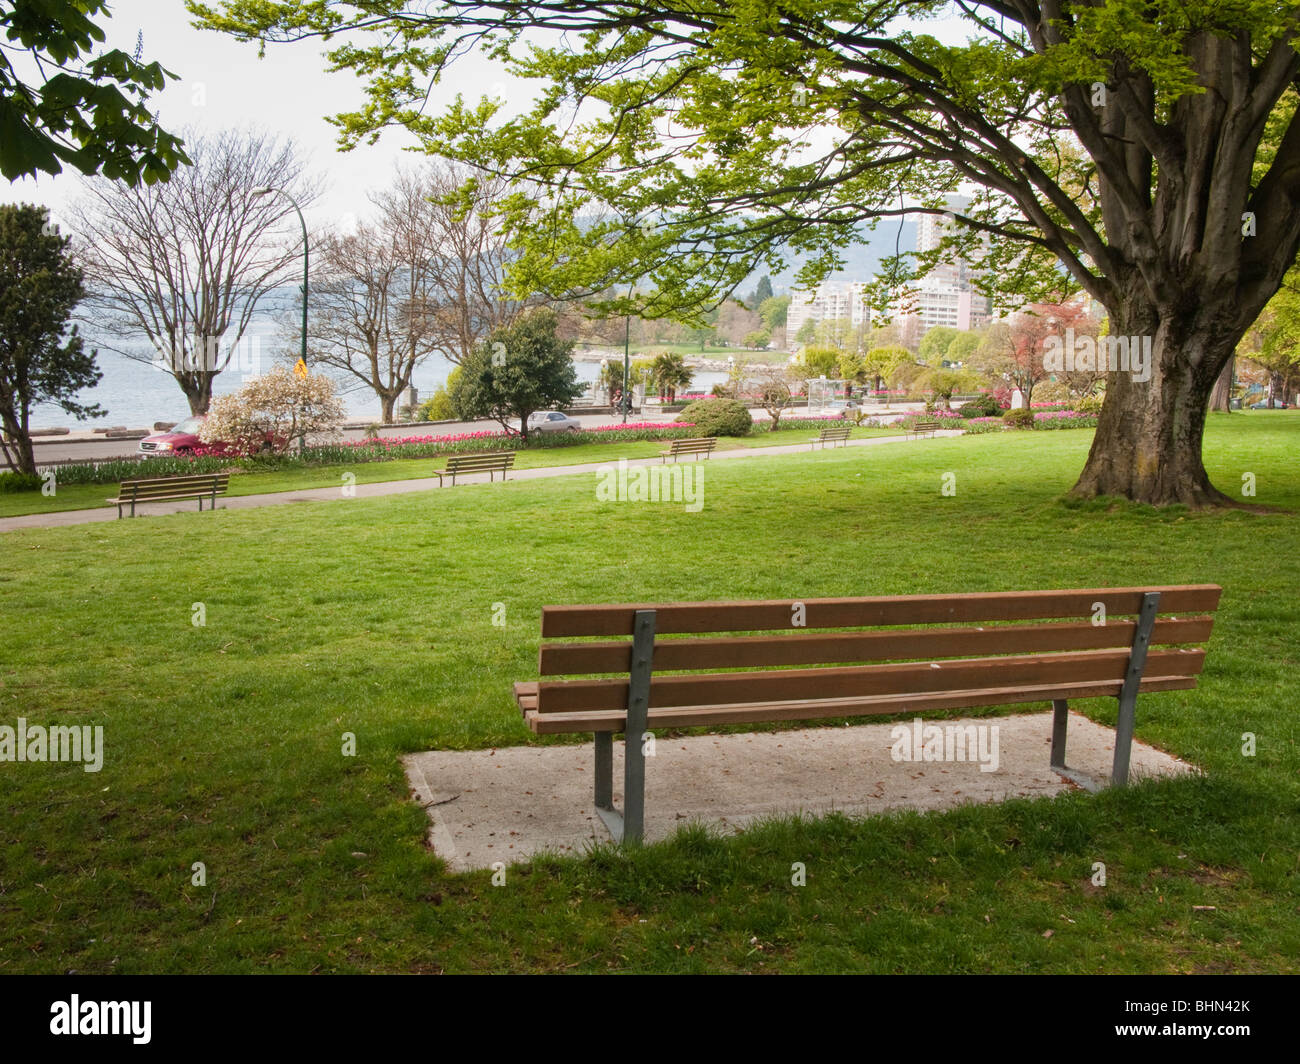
[(221, 84)]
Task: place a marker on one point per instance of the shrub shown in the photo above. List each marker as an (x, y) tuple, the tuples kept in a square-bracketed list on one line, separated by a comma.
[(1051, 392), (11, 482), (718, 417), (984, 406), (437, 408), (1019, 419), (1090, 404), (273, 410)]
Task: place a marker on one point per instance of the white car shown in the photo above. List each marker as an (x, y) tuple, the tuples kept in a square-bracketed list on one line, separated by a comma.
[(553, 421)]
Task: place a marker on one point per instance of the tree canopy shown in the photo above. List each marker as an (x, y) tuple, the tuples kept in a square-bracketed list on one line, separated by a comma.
[(41, 358), (521, 368), (1108, 145), (59, 104)]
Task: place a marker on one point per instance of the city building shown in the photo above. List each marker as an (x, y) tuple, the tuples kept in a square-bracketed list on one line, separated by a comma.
[(834, 301)]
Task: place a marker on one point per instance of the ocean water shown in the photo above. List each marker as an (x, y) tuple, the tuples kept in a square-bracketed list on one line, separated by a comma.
[(136, 394)]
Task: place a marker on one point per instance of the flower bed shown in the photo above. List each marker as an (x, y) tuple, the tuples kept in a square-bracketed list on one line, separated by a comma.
[(1064, 419), (343, 452)]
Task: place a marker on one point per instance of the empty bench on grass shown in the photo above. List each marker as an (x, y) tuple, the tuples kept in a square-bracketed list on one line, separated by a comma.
[(832, 434), (168, 489), (924, 428), (491, 463), (989, 649), (703, 446)]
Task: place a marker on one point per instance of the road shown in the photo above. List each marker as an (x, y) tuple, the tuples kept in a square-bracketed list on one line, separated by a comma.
[(82, 447), (77, 448)]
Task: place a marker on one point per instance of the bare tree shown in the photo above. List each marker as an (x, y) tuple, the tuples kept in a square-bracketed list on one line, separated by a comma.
[(183, 264), (466, 298), (426, 275), (371, 307)]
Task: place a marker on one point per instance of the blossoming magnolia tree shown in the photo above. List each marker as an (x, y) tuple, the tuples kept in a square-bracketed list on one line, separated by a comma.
[(271, 411)]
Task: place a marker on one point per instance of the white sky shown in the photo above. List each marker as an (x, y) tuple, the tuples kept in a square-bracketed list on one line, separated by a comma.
[(222, 84)]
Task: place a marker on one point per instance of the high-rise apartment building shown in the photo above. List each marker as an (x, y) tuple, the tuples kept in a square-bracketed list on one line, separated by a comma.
[(838, 301)]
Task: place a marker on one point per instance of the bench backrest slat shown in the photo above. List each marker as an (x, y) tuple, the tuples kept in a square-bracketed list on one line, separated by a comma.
[(495, 460), (865, 680), (189, 480), (771, 615), (573, 659)]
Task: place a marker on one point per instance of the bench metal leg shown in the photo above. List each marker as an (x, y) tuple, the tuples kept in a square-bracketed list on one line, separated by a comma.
[(1060, 715), (605, 785), (1132, 682), (604, 770), (638, 707)]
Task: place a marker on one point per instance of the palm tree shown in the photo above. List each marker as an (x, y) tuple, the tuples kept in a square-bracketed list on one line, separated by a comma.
[(668, 373)]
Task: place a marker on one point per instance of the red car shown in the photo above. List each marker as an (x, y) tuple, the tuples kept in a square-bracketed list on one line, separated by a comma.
[(181, 439)]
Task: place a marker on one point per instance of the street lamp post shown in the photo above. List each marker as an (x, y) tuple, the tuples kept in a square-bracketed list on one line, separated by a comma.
[(305, 260), (627, 378), (302, 440)]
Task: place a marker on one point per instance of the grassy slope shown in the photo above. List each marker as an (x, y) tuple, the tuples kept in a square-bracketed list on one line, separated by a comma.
[(224, 741), (90, 496)]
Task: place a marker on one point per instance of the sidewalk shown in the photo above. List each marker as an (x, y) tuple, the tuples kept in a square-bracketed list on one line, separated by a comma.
[(391, 487)]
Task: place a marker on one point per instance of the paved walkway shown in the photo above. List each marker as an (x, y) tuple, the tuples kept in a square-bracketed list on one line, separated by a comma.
[(391, 487)]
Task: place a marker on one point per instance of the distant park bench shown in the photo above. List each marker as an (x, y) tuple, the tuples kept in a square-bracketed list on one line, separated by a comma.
[(491, 463), (924, 428), (1052, 650), (703, 446), (832, 434), (167, 489)]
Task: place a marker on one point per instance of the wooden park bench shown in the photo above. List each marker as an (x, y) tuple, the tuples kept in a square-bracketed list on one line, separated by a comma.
[(491, 463), (924, 428), (167, 489), (832, 434), (703, 446), (656, 666)]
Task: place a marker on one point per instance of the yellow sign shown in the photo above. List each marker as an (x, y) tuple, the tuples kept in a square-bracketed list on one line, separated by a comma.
[(300, 369)]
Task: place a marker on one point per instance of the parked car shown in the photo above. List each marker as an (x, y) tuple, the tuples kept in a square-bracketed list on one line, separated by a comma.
[(842, 406), (180, 439), (183, 439), (1263, 405), (553, 421)]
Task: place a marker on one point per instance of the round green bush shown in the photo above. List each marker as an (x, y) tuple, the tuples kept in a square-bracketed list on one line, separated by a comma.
[(1019, 419), (984, 406), (1089, 404), (10, 482), (718, 417)]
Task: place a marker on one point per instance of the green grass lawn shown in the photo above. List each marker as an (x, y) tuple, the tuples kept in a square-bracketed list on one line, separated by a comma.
[(223, 742), (90, 496)]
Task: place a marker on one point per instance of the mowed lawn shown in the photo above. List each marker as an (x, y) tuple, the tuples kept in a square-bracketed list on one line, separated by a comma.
[(374, 617)]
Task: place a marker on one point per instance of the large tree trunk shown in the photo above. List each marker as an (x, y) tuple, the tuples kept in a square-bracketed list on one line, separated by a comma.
[(1148, 442), (387, 400)]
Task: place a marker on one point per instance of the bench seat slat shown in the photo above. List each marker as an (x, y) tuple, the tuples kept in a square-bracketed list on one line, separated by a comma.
[(720, 652), (820, 709), (919, 677), (771, 615)]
